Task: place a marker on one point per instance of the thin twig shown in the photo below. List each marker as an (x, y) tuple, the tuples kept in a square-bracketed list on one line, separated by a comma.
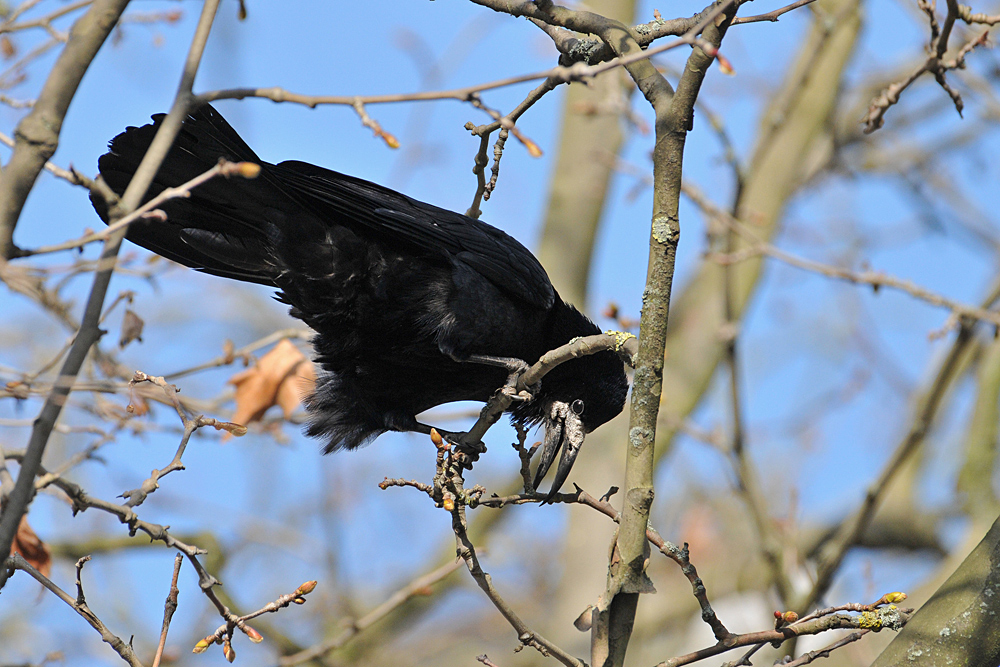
[(623, 344), (79, 605), (771, 16), (935, 62), (45, 21), (136, 497), (467, 552), (224, 634), (876, 279), (479, 169), (825, 652), (169, 607), (886, 617), (90, 331), (354, 627), (66, 174), (560, 74), (150, 208), (679, 555)]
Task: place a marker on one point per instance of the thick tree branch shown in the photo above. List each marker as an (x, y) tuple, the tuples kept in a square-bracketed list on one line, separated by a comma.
[(850, 531), (37, 135)]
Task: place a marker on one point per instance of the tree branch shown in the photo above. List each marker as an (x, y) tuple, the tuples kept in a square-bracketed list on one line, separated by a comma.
[(37, 135), (90, 331), (79, 604)]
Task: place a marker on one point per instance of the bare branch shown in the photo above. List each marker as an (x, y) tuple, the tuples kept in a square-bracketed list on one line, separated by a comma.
[(43, 22), (224, 634), (37, 135), (378, 613), (624, 344), (889, 617), (773, 15), (169, 607), (467, 552), (876, 279), (79, 605), (810, 656), (90, 331), (935, 63), (561, 74), (149, 209)]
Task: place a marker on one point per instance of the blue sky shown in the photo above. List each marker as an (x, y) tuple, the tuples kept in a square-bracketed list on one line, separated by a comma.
[(800, 333)]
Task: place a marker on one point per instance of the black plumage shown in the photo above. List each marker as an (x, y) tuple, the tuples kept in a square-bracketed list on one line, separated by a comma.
[(406, 298)]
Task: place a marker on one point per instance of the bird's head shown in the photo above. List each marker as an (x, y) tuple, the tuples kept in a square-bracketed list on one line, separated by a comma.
[(575, 398)]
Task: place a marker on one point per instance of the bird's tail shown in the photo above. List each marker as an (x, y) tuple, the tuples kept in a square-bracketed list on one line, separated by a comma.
[(227, 227)]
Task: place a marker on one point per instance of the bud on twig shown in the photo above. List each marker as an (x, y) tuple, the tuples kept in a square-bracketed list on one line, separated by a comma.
[(306, 588), (891, 598), (533, 149), (725, 66), (238, 430), (390, 139), (247, 169)]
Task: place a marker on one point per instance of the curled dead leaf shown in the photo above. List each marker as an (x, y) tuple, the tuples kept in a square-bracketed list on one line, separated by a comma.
[(7, 48), (31, 548), (132, 326), (282, 377), (137, 405)]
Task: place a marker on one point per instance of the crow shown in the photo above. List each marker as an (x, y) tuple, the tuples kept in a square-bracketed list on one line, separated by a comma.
[(413, 305)]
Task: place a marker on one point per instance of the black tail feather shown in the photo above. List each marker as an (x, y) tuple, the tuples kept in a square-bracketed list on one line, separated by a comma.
[(226, 228)]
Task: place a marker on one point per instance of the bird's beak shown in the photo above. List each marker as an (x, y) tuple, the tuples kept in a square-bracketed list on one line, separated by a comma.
[(563, 430)]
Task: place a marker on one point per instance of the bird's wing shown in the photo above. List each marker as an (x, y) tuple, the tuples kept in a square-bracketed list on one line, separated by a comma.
[(226, 226), (394, 218)]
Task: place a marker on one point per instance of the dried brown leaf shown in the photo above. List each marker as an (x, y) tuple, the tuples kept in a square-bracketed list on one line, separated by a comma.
[(137, 405), (296, 387), (132, 326), (31, 547), (281, 377), (7, 48)]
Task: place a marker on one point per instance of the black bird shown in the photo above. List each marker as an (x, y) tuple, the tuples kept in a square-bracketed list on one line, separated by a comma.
[(413, 305)]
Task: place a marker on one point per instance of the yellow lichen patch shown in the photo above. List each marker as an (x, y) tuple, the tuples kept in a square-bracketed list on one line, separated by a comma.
[(871, 620)]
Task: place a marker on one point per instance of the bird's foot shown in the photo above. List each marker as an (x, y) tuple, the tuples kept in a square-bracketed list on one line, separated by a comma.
[(510, 391), (515, 369), (466, 445), (460, 440), (468, 449)]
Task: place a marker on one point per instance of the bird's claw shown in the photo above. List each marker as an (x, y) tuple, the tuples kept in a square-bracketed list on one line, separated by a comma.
[(513, 394), (463, 444)]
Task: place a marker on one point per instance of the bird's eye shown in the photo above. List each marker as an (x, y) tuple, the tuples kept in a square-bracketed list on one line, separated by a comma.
[(577, 406)]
